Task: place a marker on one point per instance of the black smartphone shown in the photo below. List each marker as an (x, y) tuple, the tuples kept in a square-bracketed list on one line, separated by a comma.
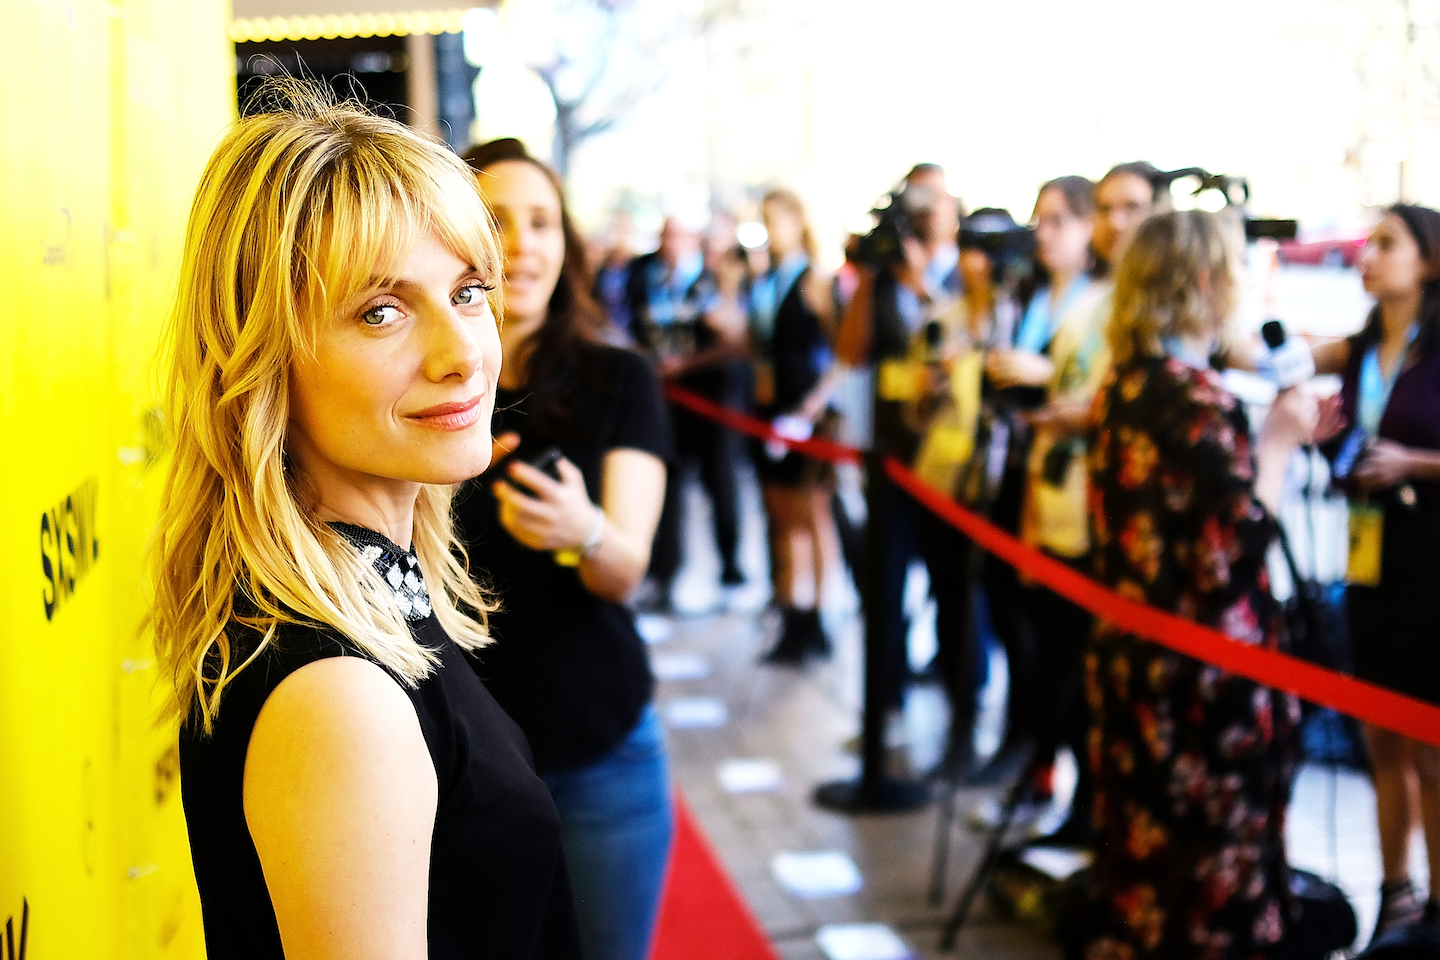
[(1352, 448), (546, 461)]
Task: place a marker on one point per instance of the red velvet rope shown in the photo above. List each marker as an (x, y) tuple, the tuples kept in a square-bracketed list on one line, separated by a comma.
[(1365, 701)]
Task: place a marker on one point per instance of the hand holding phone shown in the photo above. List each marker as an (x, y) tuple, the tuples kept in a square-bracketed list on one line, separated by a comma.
[(544, 503)]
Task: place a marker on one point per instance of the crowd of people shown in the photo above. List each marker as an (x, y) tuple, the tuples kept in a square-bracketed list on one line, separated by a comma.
[(396, 577)]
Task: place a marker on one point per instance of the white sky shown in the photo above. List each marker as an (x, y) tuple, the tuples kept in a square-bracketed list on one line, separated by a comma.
[(837, 98)]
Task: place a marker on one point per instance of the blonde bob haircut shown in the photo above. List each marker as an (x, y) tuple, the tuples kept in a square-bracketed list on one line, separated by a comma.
[(1177, 278), (297, 211)]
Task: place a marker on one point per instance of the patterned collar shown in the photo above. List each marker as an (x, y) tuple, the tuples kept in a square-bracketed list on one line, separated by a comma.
[(399, 568)]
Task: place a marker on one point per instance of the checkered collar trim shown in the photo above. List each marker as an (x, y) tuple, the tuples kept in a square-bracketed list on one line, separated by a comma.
[(400, 569)]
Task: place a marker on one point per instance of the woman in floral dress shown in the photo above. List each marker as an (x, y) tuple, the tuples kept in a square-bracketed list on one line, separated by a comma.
[(1192, 764)]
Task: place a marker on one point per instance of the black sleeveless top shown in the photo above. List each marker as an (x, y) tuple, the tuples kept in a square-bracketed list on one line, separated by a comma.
[(798, 348), (498, 883)]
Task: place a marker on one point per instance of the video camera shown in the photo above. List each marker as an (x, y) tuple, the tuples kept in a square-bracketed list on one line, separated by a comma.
[(884, 245), (1009, 245), (1201, 188)]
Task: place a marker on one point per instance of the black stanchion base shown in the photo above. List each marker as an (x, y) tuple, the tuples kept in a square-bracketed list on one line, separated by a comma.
[(883, 795)]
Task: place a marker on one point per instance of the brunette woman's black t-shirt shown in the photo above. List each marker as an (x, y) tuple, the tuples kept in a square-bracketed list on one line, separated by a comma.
[(498, 883), (567, 665)]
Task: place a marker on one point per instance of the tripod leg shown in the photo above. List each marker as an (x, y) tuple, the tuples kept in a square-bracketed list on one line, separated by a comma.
[(987, 862), (1007, 815), (940, 863)]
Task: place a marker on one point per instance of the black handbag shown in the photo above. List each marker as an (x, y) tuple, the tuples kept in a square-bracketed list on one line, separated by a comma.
[(1317, 631)]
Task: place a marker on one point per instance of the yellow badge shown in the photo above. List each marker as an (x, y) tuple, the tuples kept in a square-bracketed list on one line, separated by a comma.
[(897, 381), (1367, 523)]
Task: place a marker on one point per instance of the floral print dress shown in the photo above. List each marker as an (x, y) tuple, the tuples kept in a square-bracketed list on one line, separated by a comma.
[(1192, 764)]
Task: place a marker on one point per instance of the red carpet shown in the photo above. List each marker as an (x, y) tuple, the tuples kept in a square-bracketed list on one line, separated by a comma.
[(703, 916)]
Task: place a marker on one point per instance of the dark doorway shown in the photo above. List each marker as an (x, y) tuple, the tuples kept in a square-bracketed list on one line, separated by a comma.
[(369, 69)]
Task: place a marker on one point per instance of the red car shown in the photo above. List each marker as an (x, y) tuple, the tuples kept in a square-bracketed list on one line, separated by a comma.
[(1324, 248)]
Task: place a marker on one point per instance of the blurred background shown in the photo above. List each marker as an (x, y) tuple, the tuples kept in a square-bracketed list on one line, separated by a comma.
[(650, 108), (1328, 106)]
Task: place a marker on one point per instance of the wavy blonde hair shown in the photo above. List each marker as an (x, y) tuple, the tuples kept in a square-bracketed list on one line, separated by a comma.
[(297, 209), (1159, 283)]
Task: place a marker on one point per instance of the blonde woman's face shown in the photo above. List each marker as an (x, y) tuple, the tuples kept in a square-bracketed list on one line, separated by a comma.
[(785, 230), (401, 387)]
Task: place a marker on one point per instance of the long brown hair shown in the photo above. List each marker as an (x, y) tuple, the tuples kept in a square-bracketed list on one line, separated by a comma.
[(573, 320)]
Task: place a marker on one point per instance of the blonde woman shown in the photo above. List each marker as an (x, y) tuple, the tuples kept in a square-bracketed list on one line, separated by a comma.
[(349, 786), (791, 315), (1191, 764)]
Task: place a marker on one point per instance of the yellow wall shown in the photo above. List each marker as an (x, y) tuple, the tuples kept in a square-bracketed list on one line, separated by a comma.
[(110, 111)]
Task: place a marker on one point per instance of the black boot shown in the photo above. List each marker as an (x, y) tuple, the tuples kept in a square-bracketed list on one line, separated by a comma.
[(817, 644), (789, 649)]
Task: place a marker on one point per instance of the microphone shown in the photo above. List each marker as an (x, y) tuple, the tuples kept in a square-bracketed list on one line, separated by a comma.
[(1289, 362)]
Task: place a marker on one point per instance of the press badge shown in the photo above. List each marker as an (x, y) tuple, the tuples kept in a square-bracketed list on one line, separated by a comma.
[(1367, 524)]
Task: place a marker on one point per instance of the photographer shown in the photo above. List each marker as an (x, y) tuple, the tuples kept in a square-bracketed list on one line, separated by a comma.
[(564, 550), (1391, 398), (888, 312), (967, 429)]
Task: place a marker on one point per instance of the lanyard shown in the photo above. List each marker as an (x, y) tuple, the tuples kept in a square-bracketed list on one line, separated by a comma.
[(1041, 321), (770, 290), (667, 293), (1373, 395)]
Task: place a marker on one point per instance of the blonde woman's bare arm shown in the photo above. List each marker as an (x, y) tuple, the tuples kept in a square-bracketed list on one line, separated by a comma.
[(340, 798)]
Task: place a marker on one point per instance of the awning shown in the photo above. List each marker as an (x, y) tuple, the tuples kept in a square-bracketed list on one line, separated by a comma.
[(328, 19)]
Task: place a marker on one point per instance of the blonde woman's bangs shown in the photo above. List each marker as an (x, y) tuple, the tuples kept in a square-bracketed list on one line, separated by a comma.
[(375, 211)]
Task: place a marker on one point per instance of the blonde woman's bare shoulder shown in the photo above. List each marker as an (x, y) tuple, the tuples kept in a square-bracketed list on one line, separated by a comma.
[(340, 797)]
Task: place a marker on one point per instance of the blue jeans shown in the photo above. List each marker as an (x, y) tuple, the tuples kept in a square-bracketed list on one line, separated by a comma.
[(616, 823)]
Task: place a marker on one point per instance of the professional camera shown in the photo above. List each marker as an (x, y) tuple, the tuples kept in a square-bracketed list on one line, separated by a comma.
[(1009, 245), (1196, 186), (884, 245)]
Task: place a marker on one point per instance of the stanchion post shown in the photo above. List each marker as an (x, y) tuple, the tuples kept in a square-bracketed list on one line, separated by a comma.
[(875, 791)]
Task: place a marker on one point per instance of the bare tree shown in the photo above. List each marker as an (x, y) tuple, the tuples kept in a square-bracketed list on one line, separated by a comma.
[(606, 57)]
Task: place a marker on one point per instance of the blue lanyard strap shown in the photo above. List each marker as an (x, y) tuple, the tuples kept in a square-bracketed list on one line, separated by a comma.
[(1374, 388), (667, 288), (1038, 327)]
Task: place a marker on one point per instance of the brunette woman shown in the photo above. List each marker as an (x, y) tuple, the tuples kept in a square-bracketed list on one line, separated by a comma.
[(350, 787), (1061, 313), (1192, 764), (1391, 396), (791, 313), (564, 551)]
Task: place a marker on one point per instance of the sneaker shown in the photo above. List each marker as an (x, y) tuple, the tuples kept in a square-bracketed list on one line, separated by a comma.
[(1399, 905), (1075, 831), (985, 815), (1002, 768)]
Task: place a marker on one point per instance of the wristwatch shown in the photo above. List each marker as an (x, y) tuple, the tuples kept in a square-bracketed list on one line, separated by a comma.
[(571, 556)]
